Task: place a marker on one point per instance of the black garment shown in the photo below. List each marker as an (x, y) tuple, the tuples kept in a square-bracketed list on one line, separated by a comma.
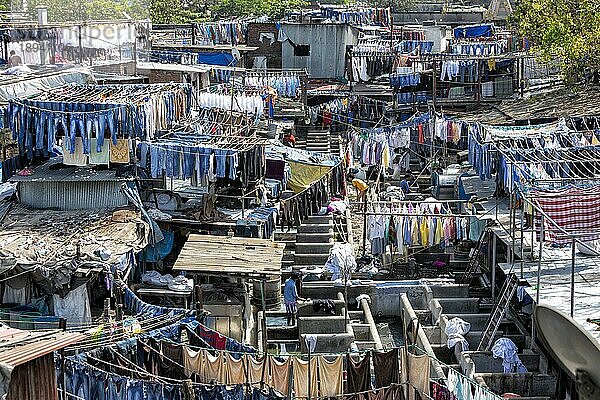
[(359, 374), (387, 368)]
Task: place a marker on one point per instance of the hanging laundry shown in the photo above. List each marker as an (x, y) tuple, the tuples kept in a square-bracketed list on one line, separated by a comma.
[(358, 374), (418, 375), (77, 158), (236, 371), (256, 369), (280, 375), (331, 376), (302, 379), (387, 367)]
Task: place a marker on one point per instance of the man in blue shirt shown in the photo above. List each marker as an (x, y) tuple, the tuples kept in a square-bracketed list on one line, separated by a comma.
[(290, 298), (406, 183)]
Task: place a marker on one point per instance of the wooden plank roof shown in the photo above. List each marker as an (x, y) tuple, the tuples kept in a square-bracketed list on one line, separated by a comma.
[(223, 255)]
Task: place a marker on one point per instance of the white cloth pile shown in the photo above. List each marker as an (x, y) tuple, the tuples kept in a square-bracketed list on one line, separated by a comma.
[(507, 350), (178, 284), (341, 261), (456, 328)]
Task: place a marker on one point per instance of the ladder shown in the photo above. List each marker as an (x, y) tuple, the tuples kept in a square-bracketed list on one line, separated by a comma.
[(474, 260), (491, 327)]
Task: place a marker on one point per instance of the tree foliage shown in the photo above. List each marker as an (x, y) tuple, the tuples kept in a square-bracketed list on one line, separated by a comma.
[(565, 29), (86, 10), (272, 8)]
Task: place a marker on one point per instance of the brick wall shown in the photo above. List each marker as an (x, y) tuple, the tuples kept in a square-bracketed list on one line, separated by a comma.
[(272, 52), (158, 76)]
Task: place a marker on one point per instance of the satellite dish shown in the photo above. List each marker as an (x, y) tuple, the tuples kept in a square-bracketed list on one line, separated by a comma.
[(572, 347), (236, 54)]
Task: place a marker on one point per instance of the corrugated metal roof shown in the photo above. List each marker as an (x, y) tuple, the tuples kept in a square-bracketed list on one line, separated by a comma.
[(23, 353), (72, 195)]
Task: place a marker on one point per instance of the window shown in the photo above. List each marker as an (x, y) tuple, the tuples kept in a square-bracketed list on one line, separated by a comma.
[(302, 50)]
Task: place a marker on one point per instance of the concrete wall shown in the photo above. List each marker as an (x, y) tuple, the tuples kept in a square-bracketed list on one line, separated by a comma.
[(439, 35), (327, 42), (334, 343), (386, 301), (117, 67)]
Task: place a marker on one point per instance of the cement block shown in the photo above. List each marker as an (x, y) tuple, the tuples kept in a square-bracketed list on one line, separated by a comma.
[(486, 363), (446, 291), (316, 228), (324, 324), (313, 248), (319, 237), (459, 305), (310, 259), (337, 343)]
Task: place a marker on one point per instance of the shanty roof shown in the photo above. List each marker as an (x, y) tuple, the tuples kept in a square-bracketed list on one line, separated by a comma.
[(564, 102), (54, 171), (222, 255), (18, 347), (46, 242)]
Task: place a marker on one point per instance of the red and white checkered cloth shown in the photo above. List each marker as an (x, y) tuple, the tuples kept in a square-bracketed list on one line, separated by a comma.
[(575, 210)]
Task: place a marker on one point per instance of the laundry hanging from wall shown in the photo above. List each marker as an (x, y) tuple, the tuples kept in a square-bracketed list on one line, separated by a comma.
[(287, 84), (95, 112), (183, 159), (404, 230), (250, 104)]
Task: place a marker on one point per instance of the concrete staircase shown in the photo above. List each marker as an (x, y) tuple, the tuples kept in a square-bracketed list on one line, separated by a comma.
[(313, 241), (318, 140)]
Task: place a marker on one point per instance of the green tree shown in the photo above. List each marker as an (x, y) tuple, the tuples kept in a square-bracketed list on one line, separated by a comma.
[(568, 30), (272, 8), (88, 10)]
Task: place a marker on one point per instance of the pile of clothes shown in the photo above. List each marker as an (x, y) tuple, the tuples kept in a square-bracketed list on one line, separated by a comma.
[(178, 284)]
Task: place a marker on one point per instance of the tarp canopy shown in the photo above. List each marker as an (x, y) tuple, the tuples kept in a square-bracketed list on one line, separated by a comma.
[(473, 31), (305, 174)]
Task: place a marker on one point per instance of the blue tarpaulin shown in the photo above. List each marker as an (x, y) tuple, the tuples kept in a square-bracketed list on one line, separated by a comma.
[(160, 250), (224, 59), (473, 31)]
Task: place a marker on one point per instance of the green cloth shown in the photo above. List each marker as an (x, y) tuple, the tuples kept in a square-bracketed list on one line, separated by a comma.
[(99, 158)]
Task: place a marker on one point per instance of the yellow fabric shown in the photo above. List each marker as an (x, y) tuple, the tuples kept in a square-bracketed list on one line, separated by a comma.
[(255, 369), (424, 229), (492, 64), (280, 375), (595, 141), (359, 184), (331, 374), (192, 361), (236, 373), (301, 378), (305, 174), (119, 153), (385, 156), (418, 375), (214, 368)]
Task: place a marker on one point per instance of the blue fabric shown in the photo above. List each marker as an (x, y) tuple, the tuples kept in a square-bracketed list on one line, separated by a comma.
[(473, 31), (224, 59), (160, 250), (290, 293)]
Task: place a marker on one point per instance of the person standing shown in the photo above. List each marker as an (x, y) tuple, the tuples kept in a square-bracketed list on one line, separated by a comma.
[(290, 298), (14, 59)]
